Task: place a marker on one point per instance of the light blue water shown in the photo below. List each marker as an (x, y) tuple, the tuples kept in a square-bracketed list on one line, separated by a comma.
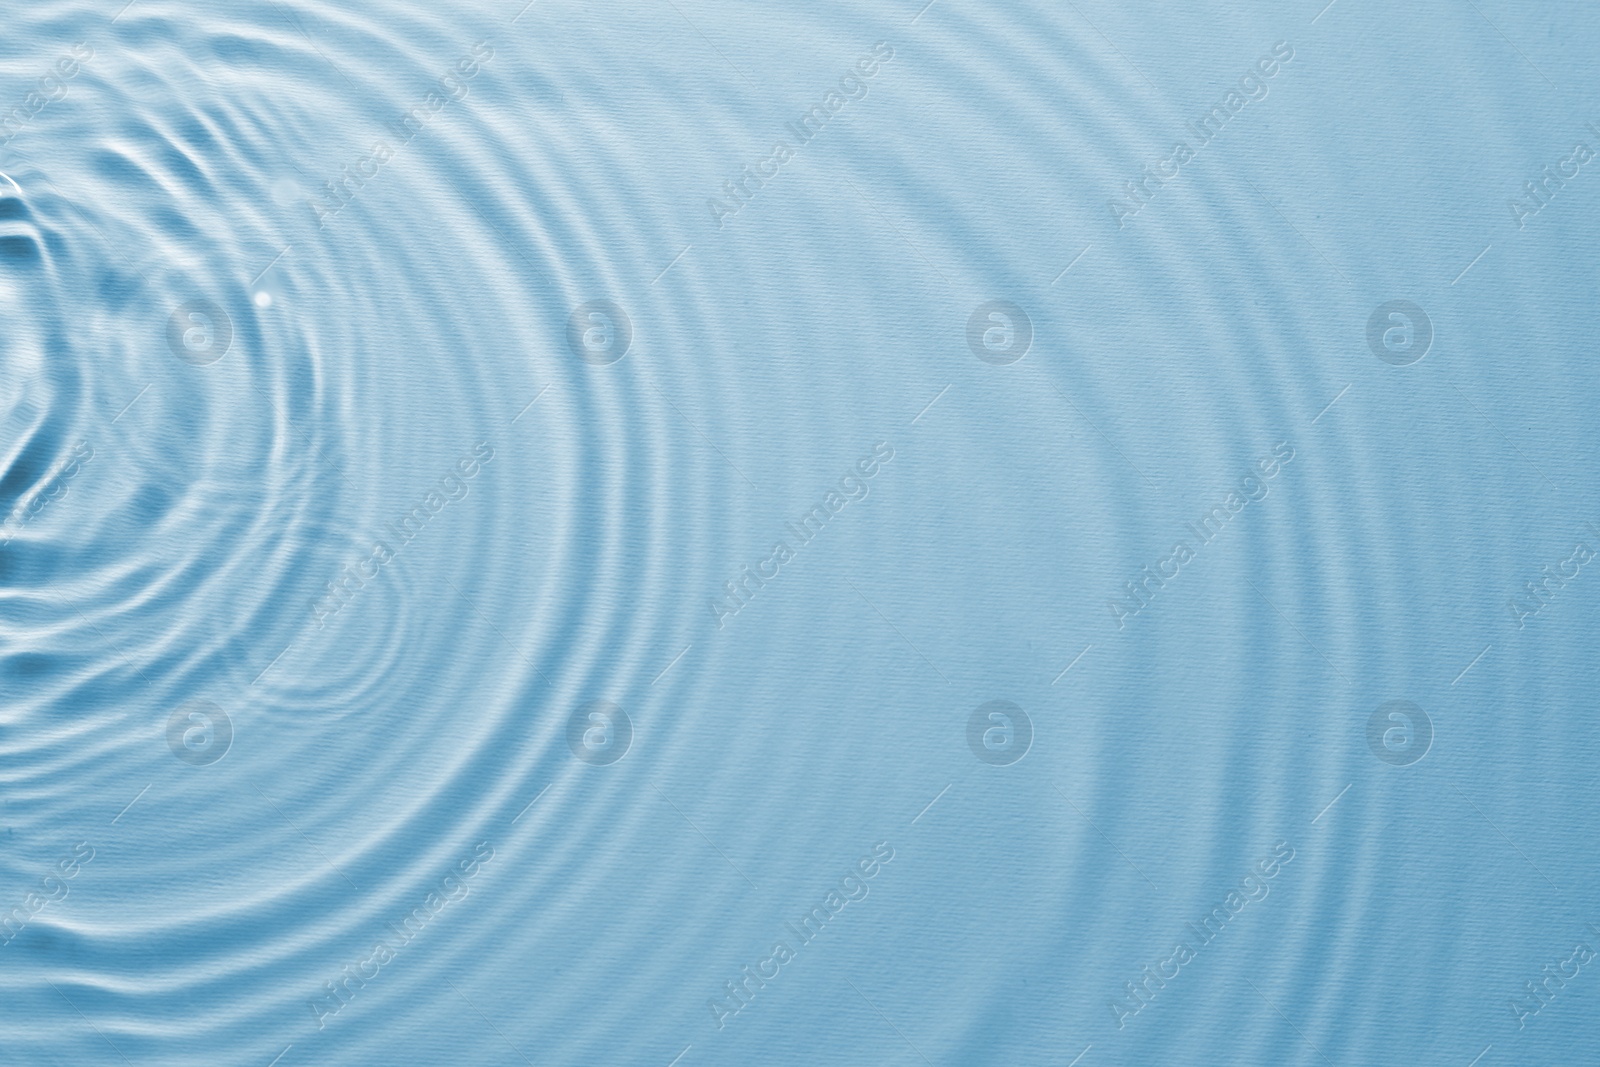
[(1015, 580)]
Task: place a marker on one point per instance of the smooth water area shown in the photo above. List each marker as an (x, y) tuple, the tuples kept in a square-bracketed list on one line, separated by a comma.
[(690, 532)]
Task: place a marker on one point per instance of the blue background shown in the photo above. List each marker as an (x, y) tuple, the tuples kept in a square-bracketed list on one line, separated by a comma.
[(377, 303)]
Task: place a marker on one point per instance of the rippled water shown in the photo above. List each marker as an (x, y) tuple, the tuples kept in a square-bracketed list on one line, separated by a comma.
[(687, 533)]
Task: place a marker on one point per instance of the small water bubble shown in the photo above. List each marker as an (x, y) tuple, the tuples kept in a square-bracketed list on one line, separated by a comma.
[(286, 192)]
